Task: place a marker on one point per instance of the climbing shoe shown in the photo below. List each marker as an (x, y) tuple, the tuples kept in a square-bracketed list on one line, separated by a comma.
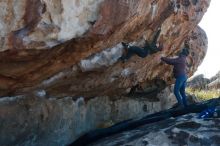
[(125, 45)]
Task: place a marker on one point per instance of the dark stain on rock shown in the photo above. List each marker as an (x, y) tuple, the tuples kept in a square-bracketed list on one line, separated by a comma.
[(2, 40), (168, 132), (176, 34), (217, 122), (145, 108), (185, 3), (194, 2), (189, 125), (33, 13), (32, 16), (215, 139), (120, 142), (6, 81), (44, 8), (185, 16), (16, 38), (137, 136), (145, 142), (113, 13), (177, 4), (194, 36), (168, 123), (92, 22), (194, 139), (179, 138), (188, 117), (165, 14), (182, 136), (153, 2), (205, 142)]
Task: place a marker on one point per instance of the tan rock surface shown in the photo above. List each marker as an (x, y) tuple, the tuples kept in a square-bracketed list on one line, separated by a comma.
[(35, 24)]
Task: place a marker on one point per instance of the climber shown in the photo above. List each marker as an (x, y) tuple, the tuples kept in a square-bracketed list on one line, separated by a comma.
[(151, 48), (180, 75)]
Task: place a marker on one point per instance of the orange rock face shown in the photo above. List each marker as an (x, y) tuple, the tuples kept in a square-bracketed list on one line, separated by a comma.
[(49, 43)]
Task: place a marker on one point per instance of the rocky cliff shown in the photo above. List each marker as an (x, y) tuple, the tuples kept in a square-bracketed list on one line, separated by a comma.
[(63, 40), (202, 83), (215, 82), (183, 130), (60, 69), (198, 82)]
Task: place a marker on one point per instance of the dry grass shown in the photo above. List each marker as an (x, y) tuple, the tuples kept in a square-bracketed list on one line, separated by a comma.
[(204, 94)]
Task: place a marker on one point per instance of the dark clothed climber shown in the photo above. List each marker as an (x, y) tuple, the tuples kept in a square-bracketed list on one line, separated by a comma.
[(180, 75), (149, 48)]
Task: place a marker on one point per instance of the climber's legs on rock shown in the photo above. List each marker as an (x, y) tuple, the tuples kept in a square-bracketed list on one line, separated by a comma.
[(183, 94), (149, 48), (179, 90), (152, 48), (132, 50)]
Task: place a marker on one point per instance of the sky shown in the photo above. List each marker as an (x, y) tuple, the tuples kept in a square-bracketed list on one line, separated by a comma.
[(211, 24)]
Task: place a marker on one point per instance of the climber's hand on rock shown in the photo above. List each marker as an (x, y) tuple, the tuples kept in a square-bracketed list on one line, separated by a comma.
[(162, 55), (158, 58)]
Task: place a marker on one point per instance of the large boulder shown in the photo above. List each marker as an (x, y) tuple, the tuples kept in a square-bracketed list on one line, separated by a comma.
[(198, 82), (60, 75), (184, 130), (51, 39), (215, 82)]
